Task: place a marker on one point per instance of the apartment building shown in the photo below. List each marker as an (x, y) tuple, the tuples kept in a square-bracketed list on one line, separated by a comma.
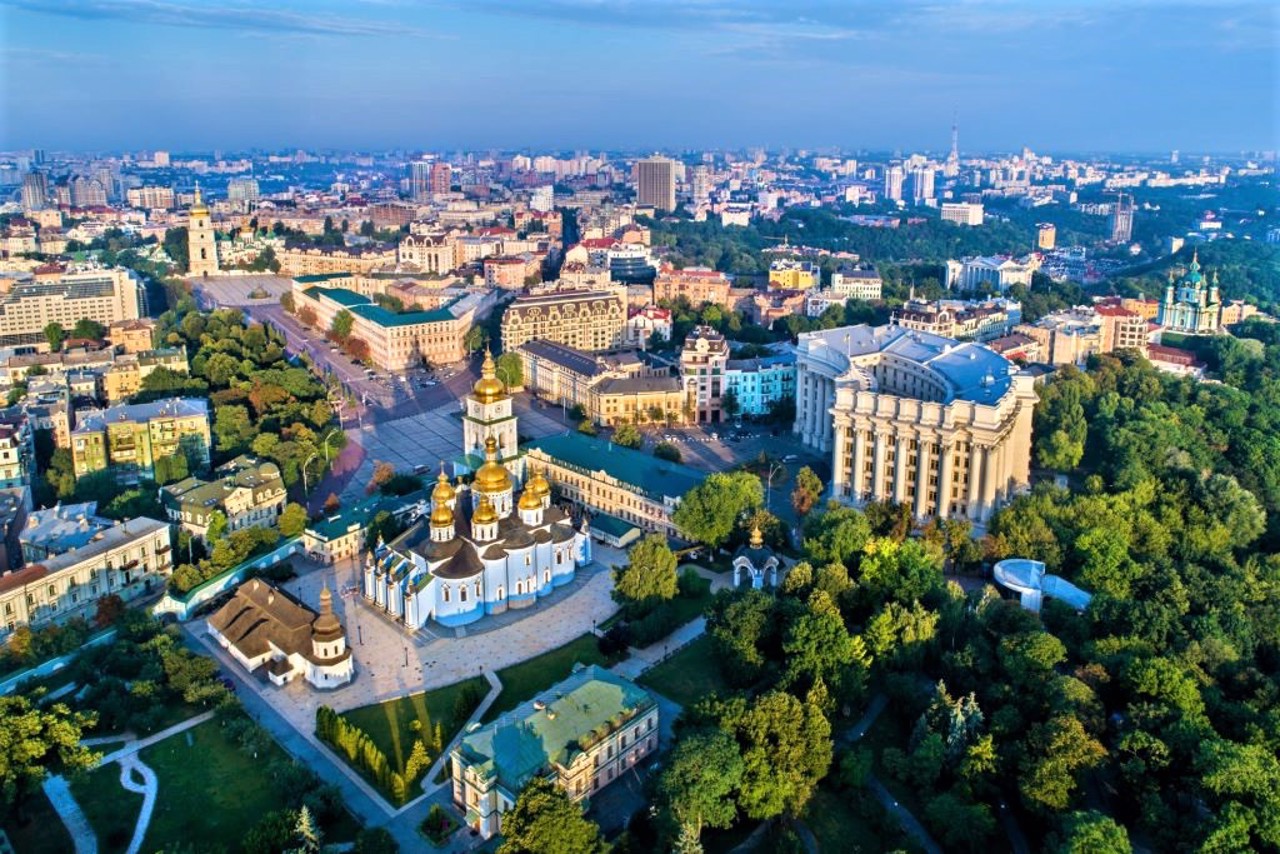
[(584, 320), (857, 284), (964, 320), (124, 377), (788, 274), (703, 361), (314, 260), (698, 285), (129, 438), (130, 560), (105, 296), (248, 493)]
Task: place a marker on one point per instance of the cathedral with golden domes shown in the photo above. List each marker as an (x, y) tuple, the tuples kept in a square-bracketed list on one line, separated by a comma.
[(480, 550)]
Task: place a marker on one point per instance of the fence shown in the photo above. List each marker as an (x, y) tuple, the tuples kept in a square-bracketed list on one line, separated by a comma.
[(184, 605)]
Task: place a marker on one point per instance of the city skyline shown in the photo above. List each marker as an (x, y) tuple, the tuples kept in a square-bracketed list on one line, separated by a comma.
[(121, 74)]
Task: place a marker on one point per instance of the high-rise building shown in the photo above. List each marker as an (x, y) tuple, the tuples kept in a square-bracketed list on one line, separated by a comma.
[(202, 245), (1122, 219), (953, 158), (37, 156), (542, 198), (922, 185), (1046, 235), (420, 180), (441, 178), (35, 191), (656, 183), (700, 185), (893, 183), (242, 190), (160, 158), (88, 192)]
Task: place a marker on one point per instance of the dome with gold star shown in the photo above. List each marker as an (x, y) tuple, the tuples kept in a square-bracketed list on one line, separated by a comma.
[(538, 486), (485, 514), (492, 477), (444, 491), (489, 389)]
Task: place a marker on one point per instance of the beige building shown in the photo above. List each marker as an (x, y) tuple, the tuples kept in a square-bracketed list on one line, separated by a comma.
[(400, 341), (656, 183), (857, 284), (584, 320), (638, 400), (133, 336), (917, 419), (1071, 336), (128, 560), (965, 320), (124, 378), (437, 252), (635, 487), (698, 285), (610, 388), (581, 733), (317, 261), (105, 296), (129, 438), (248, 493)]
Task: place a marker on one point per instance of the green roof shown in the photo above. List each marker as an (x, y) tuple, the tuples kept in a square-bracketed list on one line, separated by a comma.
[(612, 525), (375, 313), (522, 743), (321, 277), (654, 477), (361, 514)]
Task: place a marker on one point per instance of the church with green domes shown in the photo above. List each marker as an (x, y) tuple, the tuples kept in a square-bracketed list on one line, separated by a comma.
[(1192, 304)]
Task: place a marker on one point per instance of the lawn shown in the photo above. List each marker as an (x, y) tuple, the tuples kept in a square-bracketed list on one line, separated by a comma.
[(688, 675), (112, 810), (213, 791), (522, 681), (389, 723), (43, 832), (840, 824)]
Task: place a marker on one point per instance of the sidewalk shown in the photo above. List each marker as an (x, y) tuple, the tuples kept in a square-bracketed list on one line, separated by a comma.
[(59, 794)]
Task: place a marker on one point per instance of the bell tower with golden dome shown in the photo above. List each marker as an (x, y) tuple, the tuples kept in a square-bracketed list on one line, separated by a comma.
[(488, 415), (202, 244)]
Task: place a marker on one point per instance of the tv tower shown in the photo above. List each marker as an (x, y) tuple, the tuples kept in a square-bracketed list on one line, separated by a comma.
[(953, 159)]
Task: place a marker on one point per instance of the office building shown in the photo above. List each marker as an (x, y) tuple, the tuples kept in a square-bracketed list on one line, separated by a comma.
[(130, 438), (941, 426), (35, 191), (994, 272), (697, 285), (856, 284), (703, 360), (441, 178), (582, 733), (656, 183), (202, 244), (106, 296), (962, 213), (584, 320)]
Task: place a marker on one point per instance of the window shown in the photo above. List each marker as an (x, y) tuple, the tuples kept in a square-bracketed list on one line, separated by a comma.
[(446, 594)]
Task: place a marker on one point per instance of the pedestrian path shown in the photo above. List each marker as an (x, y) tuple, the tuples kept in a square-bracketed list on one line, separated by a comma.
[(64, 804), (429, 785), (148, 789)]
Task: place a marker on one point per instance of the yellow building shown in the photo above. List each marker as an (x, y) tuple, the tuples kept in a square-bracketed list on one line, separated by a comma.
[(316, 261), (638, 400), (124, 378), (786, 274), (133, 336), (130, 438), (941, 426)]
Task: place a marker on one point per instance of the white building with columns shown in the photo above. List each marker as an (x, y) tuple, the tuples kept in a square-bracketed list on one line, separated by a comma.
[(915, 418)]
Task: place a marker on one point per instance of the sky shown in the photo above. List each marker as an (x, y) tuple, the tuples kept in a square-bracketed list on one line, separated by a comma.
[(199, 75)]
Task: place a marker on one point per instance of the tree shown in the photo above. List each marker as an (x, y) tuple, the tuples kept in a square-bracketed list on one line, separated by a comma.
[(233, 429), (39, 740), (474, 339), (817, 644), (729, 404), (1056, 751), (836, 535), (545, 821), (698, 784), (307, 316), (382, 473), (628, 436), (340, 328), (306, 832), (709, 512), (273, 833), (55, 335), (376, 840), (786, 749), (86, 328), (649, 576), (510, 369), (293, 520), (806, 492), (667, 451), (1091, 832), (217, 527), (109, 609)]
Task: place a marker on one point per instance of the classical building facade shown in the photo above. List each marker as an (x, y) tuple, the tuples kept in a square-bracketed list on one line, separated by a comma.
[(698, 285), (584, 320), (263, 626), (1192, 304), (248, 493), (909, 417), (703, 361), (128, 559), (129, 438), (581, 733)]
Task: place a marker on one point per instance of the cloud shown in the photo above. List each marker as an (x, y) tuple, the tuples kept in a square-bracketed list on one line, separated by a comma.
[(238, 16)]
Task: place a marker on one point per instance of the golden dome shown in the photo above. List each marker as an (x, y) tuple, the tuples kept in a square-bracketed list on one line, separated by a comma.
[(485, 514), (444, 491), (442, 516), (538, 486), (198, 206), (493, 475), (489, 388), (529, 501)]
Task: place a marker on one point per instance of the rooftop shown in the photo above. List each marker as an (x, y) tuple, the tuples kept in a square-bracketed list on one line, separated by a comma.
[(88, 420), (566, 357), (64, 527), (652, 476)]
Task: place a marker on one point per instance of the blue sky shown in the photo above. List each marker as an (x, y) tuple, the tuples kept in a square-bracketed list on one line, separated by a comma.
[(192, 75)]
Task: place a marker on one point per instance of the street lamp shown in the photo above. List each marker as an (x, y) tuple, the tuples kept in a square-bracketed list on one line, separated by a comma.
[(774, 468)]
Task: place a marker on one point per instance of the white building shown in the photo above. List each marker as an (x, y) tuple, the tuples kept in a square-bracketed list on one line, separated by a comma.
[(857, 284), (992, 271), (962, 213)]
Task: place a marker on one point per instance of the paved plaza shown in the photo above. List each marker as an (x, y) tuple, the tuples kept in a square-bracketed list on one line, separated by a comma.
[(232, 290)]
